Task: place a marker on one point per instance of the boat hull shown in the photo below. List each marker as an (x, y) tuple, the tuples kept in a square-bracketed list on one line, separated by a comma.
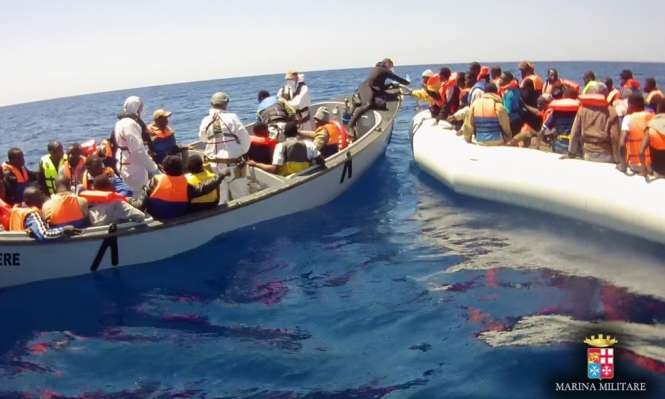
[(29, 261), (587, 191)]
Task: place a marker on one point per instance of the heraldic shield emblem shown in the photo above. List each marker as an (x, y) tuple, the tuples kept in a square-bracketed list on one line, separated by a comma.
[(600, 357)]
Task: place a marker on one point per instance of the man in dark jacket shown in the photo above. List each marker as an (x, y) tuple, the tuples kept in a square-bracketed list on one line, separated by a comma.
[(372, 92)]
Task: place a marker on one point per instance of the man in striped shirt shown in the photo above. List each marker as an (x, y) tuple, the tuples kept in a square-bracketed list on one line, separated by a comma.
[(30, 219)]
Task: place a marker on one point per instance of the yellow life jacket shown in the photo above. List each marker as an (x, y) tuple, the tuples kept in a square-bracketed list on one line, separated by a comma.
[(51, 171), (195, 179), (295, 158)]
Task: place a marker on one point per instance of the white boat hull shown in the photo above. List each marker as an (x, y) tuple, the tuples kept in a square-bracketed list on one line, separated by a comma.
[(28, 261), (587, 191)]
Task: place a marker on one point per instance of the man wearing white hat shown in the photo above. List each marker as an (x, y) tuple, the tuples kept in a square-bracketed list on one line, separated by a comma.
[(296, 92), (227, 142)]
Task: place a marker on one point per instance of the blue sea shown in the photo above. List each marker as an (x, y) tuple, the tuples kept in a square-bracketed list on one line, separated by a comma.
[(397, 289)]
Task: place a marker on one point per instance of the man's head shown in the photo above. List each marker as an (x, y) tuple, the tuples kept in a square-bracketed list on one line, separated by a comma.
[(625, 76), (635, 103), (55, 150), (133, 105), (263, 94), (15, 157), (388, 63), (74, 151), (597, 88), (427, 73), (495, 73), (491, 88), (62, 184), (609, 83), (649, 85), (219, 100), (461, 79), (470, 80), (322, 116), (589, 76), (444, 73), (195, 163), (94, 165), (161, 118), (33, 197), (474, 68), (102, 183), (291, 74), (526, 68), (552, 75), (506, 77), (291, 129), (172, 165)]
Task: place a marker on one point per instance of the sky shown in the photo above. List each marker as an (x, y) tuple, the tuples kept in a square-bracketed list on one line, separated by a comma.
[(63, 48)]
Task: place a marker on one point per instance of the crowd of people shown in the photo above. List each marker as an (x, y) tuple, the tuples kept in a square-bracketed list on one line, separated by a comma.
[(141, 170), (595, 121)]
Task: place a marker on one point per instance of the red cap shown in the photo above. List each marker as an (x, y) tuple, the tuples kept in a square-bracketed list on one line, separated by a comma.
[(632, 84), (484, 72)]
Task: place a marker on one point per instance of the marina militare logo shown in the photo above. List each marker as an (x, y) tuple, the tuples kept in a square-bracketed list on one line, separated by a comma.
[(600, 357)]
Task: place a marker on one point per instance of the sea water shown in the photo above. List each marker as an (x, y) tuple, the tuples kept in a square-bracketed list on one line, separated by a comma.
[(399, 288)]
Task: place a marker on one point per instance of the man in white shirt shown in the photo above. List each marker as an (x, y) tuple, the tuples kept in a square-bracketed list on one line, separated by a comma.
[(227, 142), (296, 92), (134, 163)]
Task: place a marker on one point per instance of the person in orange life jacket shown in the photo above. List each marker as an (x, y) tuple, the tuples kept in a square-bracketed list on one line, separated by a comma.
[(95, 167), (528, 72), (613, 92), (49, 166), (64, 208), (29, 218), (449, 92), (293, 155), (530, 113), (73, 166), (552, 81), (162, 136), (372, 93), (653, 142), (328, 137), (512, 101), (168, 195), (487, 121), (5, 208), (112, 210), (495, 76), (262, 146), (558, 119), (16, 176), (633, 127), (652, 94), (465, 89), (596, 127)]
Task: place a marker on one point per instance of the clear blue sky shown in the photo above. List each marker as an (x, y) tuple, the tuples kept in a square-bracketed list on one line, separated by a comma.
[(60, 48)]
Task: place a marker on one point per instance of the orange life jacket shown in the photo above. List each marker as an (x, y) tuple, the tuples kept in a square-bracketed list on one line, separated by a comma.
[(76, 175), (537, 82), (66, 211), (564, 105), (21, 175), (484, 73), (88, 147), (263, 142), (656, 139), (17, 217), (158, 133), (653, 96), (593, 100), (343, 140), (100, 197), (5, 211), (169, 198), (638, 125), (509, 86), (571, 85)]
